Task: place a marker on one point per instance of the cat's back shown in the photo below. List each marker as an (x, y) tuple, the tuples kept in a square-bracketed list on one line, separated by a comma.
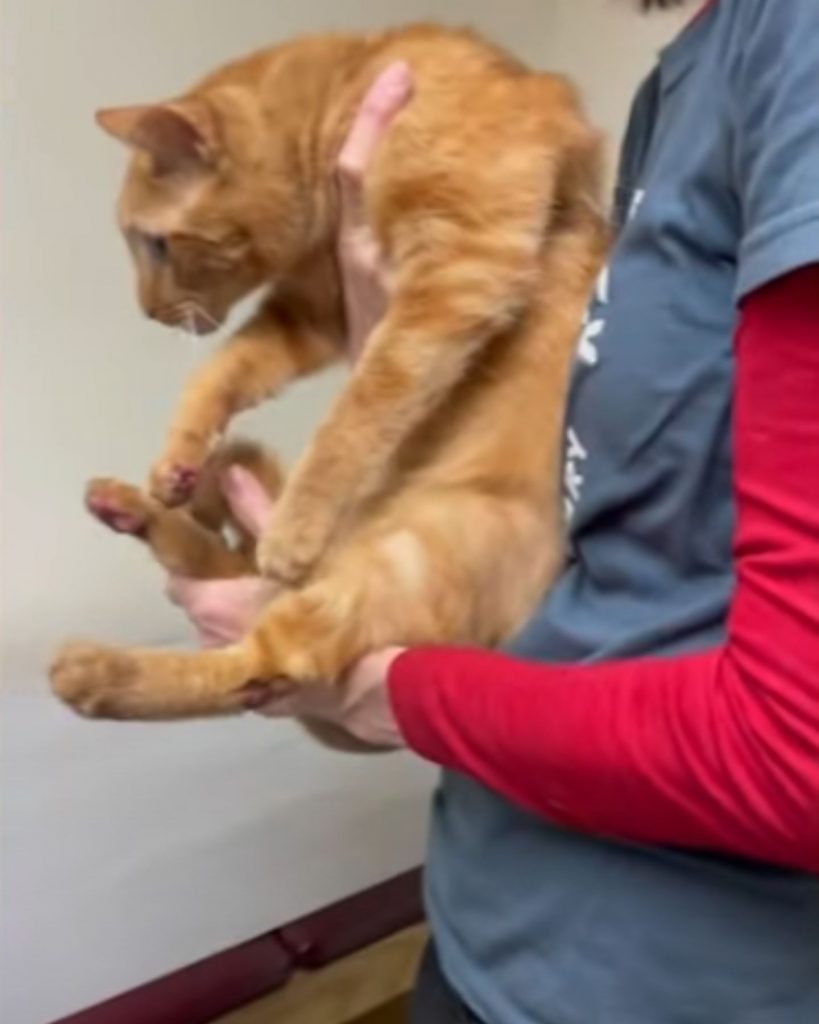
[(434, 50), (459, 70), (456, 72)]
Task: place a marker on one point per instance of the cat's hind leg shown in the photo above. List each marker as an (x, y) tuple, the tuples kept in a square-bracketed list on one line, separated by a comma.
[(190, 541), (179, 543), (99, 681), (454, 567)]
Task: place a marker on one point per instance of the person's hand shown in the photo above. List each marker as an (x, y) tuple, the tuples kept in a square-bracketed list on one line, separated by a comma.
[(359, 702), (223, 610), (364, 271)]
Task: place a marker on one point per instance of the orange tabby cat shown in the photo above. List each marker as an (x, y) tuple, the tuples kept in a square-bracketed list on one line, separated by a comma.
[(191, 540), (426, 508)]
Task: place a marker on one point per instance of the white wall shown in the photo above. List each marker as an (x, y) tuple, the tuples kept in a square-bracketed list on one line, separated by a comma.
[(607, 48), (131, 850)]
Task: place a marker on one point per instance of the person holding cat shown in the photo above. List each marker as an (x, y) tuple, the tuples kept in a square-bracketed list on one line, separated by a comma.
[(627, 827)]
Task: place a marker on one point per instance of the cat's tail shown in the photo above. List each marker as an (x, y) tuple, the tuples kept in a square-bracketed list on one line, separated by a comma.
[(208, 504)]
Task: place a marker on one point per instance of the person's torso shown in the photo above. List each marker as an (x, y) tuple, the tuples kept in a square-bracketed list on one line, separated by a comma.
[(534, 924)]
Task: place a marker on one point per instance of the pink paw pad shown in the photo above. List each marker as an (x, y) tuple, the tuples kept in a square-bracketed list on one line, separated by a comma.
[(116, 519), (180, 482)]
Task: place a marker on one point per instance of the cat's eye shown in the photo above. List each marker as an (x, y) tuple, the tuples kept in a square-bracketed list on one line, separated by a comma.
[(156, 246)]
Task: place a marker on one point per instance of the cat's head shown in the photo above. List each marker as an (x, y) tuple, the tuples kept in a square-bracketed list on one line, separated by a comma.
[(191, 214)]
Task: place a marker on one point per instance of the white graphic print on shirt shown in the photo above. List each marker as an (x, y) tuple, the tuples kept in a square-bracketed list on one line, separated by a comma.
[(588, 355)]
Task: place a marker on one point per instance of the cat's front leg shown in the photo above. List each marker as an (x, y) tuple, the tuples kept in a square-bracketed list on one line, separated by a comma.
[(400, 380), (296, 536), (274, 348), (172, 478), (442, 315)]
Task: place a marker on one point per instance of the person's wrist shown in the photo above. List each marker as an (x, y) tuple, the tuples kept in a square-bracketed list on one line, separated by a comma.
[(370, 714)]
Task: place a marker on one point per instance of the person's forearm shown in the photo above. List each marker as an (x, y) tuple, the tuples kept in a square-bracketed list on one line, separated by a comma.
[(718, 750)]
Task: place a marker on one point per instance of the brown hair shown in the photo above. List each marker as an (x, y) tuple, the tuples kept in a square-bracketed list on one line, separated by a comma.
[(652, 5)]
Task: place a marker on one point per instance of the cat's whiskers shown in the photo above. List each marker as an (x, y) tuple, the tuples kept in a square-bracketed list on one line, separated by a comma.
[(182, 327), (185, 328), (197, 310), (189, 315)]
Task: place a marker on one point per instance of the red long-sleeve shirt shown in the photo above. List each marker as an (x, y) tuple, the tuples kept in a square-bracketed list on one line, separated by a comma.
[(718, 750)]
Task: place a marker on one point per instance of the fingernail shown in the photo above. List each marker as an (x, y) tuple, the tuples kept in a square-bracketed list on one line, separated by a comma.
[(396, 78)]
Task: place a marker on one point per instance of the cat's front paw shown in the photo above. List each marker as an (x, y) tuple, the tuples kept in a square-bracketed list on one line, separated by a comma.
[(175, 474), (288, 549), (94, 680), (173, 482)]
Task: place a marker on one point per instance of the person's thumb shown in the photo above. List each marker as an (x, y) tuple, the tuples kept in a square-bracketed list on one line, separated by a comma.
[(386, 97), (249, 501)]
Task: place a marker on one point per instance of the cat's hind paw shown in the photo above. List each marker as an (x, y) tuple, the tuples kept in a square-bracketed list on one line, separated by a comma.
[(94, 680), (121, 507)]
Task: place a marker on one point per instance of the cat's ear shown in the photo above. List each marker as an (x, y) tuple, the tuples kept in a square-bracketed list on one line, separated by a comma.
[(179, 136)]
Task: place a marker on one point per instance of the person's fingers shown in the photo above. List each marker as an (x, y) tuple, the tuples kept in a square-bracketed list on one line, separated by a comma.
[(249, 501), (209, 639), (288, 706), (389, 93), (197, 597), (178, 589)]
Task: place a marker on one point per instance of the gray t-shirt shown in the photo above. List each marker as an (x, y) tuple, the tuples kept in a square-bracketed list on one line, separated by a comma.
[(718, 193)]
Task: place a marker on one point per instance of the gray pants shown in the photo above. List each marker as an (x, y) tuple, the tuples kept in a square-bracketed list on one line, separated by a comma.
[(433, 1001)]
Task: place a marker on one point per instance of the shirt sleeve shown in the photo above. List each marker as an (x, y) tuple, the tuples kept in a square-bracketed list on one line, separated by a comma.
[(774, 101), (714, 751)]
